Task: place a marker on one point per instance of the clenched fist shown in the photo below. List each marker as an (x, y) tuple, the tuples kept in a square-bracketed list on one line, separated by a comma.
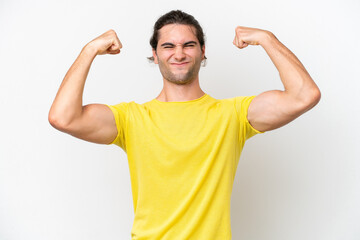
[(107, 43), (245, 36)]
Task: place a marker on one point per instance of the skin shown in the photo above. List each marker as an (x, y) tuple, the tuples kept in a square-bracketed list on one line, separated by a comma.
[(180, 65), (91, 122), (179, 57), (275, 108)]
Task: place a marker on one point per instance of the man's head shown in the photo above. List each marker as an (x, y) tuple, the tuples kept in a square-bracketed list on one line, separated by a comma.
[(176, 17), (178, 46)]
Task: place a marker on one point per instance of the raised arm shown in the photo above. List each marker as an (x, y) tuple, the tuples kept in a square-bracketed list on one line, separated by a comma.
[(273, 109), (92, 122)]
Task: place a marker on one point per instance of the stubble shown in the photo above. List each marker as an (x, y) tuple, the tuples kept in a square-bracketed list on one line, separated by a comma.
[(180, 78)]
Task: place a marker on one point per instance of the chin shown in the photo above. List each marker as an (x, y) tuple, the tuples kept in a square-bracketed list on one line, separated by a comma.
[(180, 81)]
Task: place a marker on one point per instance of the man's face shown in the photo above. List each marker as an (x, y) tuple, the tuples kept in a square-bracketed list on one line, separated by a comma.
[(178, 54)]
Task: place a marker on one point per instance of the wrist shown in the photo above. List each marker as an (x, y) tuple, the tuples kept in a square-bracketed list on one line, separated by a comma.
[(267, 37), (89, 49)]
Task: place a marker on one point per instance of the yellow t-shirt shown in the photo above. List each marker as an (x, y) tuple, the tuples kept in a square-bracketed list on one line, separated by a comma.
[(182, 158)]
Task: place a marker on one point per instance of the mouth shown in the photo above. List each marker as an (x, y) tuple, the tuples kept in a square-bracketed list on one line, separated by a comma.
[(179, 64)]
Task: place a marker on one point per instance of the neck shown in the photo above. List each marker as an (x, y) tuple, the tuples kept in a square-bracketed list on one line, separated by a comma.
[(172, 92)]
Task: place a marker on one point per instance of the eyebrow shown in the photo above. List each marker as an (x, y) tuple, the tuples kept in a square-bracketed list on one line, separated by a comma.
[(171, 44)]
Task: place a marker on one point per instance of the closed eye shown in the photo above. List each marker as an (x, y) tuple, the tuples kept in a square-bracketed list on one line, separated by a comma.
[(189, 44), (186, 46)]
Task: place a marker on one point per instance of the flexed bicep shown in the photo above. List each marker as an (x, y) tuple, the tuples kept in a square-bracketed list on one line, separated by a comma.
[(273, 109)]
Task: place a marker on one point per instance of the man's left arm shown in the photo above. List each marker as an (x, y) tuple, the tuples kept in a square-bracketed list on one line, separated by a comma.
[(273, 109)]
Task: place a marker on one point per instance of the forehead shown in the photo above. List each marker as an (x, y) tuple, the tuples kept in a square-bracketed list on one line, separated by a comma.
[(177, 33)]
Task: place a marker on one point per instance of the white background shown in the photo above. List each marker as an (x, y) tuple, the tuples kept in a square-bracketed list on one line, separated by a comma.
[(301, 181)]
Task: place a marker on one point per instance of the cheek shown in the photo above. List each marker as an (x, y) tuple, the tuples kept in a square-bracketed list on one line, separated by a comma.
[(163, 56), (194, 53), (167, 54)]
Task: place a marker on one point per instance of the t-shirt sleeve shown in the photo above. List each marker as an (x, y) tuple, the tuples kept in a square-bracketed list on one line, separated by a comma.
[(246, 130), (120, 112)]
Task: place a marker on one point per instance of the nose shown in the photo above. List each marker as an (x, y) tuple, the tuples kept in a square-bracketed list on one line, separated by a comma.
[(179, 54)]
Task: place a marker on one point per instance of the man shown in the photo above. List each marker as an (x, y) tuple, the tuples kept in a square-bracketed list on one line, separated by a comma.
[(183, 146)]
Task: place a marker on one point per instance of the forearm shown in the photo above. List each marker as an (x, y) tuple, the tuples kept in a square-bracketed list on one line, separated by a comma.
[(68, 101), (296, 80)]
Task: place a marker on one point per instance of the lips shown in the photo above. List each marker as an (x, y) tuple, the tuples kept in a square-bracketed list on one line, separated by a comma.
[(179, 64)]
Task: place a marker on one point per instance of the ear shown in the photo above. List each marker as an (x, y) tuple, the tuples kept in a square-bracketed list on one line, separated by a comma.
[(203, 52), (155, 57)]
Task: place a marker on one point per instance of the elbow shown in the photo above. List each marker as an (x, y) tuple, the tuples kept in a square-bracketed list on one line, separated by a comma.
[(56, 122), (316, 96), (313, 98)]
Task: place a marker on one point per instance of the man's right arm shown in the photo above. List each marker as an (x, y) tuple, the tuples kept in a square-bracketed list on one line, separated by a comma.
[(92, 122)]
